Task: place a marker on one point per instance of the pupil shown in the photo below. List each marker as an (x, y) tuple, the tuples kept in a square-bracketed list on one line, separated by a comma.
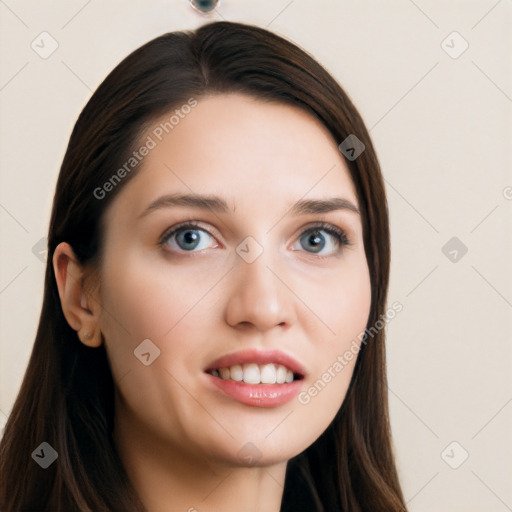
[(190, 238), (316, 241)]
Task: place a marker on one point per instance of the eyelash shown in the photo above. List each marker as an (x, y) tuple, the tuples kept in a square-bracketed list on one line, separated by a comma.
[(335, 231), (340, 235)]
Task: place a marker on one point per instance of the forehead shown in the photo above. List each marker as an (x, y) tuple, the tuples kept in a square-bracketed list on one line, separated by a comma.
[(248, 151)]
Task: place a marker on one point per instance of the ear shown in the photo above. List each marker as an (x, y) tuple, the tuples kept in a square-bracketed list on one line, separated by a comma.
[(81, 310)]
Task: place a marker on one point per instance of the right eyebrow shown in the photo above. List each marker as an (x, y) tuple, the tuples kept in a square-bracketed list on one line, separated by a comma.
[(203, 202)]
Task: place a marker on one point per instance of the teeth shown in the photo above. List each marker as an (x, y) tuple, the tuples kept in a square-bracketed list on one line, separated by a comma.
[(252, 373), (268, 374), (237, 373), (281, 374)]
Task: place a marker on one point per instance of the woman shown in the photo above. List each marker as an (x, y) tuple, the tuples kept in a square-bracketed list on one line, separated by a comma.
[(218, 248)]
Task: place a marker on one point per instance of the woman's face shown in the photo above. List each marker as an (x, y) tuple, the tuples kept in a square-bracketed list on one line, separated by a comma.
[(262, 276)]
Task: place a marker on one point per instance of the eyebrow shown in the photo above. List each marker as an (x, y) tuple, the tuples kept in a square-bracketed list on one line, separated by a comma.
[(219, 205)]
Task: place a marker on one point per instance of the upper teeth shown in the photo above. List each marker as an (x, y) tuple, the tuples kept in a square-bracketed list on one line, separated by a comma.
[(255, 374)]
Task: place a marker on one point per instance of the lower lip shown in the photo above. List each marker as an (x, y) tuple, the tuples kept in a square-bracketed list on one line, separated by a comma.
[(258, 395)]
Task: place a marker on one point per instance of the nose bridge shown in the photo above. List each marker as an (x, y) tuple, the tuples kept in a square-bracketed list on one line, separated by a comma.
[(257, 296)]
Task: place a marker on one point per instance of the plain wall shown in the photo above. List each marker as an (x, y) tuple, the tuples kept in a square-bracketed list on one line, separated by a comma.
[(441, 124)]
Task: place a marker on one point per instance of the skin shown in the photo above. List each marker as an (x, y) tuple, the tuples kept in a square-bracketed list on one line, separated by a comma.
[(178, 438)]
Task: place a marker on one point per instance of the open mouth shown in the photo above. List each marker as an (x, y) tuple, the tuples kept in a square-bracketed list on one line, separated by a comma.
[(252, 373)]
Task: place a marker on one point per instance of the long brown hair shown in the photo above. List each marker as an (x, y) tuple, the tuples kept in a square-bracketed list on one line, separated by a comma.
[(67, 395)]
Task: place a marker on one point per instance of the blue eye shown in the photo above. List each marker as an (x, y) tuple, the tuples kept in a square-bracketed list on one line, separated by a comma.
[(321, 239), (314, 239), (188, 237)]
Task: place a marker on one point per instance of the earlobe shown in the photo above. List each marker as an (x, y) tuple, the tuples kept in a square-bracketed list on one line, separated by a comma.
[(91, 339), (75, 302)]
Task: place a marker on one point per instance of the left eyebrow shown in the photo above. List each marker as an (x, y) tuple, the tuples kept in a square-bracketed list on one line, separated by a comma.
[(308, 206)]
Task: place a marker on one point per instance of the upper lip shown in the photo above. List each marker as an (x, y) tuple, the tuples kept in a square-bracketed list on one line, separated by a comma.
[(258, 357)]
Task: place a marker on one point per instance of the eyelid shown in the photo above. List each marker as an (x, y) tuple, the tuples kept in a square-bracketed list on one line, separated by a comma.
[(329, 228), (342, 241), (182, 225)]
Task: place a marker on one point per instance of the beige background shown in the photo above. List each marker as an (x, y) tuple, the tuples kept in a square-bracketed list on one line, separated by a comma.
[(442, 128)]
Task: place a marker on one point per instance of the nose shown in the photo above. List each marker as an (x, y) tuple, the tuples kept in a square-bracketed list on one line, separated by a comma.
[(258, 298)]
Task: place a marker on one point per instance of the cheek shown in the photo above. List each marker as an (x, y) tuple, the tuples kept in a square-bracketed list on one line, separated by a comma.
[(151, 301), (343, 305), (341, 301), (151, 322)]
